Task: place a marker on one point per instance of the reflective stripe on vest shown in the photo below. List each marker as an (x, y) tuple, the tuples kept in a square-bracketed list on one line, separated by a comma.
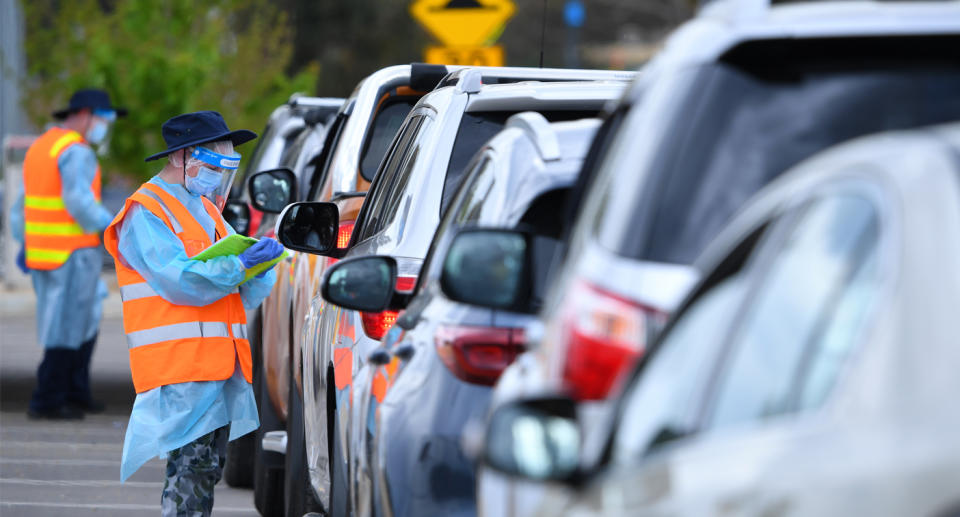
[(170, 343), (50, 233)]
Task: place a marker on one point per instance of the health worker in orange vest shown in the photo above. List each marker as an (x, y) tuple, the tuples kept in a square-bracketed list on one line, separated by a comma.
[(58, 219), (185, 319)]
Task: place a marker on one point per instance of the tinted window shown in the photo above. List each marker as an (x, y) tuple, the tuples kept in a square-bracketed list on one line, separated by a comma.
[(804, 315), (742, 129), (474, 131), (330, 142), (384, 128), (398, 188), (370, 216)]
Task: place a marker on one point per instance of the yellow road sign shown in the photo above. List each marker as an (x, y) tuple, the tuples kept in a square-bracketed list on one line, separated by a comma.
[(463, 23), (468, 56)]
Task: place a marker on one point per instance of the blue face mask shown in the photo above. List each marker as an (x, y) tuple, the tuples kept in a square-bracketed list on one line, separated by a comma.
[(206, 181), (97, 132)]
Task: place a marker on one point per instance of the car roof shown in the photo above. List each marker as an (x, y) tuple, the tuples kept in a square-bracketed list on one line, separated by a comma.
[(550, 155), (528, 94), (725, 24)]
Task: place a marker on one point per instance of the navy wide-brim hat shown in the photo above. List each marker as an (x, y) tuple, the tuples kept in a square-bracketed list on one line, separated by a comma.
[(197, 128), (89, 99)]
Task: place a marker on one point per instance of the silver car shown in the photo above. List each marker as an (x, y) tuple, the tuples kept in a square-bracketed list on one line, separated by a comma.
[(812, 370)]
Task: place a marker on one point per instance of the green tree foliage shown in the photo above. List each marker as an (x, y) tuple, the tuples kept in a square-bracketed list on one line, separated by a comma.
[(160, 59)]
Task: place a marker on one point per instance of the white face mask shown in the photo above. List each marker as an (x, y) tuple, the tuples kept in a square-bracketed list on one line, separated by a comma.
[(97, 132), (206, 181)]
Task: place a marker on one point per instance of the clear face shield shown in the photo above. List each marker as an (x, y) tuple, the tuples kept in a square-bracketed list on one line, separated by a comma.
[(218, 164)]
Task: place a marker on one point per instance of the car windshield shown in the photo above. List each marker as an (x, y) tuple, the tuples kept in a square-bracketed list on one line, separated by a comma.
[(745, 128)]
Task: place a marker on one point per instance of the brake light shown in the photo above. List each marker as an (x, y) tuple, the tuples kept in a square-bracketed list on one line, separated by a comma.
[(605, 336), (478, 355), (376, 324), (344, 233)]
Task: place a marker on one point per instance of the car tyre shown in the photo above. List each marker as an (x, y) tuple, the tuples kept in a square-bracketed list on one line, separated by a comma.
[(268, 465), (299, 497), (338, 475)]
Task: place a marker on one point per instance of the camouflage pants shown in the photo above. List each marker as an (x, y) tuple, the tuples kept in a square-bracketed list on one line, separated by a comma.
[(192, 471)]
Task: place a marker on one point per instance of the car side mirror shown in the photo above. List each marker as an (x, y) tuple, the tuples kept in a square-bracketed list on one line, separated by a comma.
[(237, 214), (489, 268), (310, 227), (364, 284), (536, 439), (272, 190)]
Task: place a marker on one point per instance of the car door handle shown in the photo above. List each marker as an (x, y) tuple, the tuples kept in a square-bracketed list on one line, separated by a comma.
[(379, 357), (404, 352)]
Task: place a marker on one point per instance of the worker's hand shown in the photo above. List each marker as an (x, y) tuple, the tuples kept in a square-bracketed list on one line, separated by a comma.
[(264, 250), (22, 260)]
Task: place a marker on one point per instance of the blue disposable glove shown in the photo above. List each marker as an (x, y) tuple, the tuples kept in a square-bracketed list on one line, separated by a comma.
[(22, 260), (264, 250)]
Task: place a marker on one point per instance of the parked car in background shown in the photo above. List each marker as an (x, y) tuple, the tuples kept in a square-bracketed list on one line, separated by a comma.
[(441, 358), (285, 124), (340, 171), (811, 372), (417, 180), (737, 95), (294, 132)]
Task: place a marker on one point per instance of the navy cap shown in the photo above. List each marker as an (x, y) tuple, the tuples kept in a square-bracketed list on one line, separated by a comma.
[(198, 128), (91, 99)]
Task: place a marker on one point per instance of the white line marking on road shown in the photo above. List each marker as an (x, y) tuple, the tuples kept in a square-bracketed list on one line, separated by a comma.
[(62, 463), (102, 506), (77, 446), (92, 484)]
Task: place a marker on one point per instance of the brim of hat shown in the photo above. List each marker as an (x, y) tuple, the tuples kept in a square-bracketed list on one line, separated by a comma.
[(239, 136), (64, 113)]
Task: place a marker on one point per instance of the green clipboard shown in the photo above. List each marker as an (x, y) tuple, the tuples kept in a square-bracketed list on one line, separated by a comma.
[(234, 245)]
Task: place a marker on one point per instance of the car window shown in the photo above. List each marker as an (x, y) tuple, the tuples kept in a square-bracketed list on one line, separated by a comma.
[(370, 218), (482, 170), (385, 126), (330, 142), (398, 189), (664, 400), (744, 126), (476, 128), (804, 315)]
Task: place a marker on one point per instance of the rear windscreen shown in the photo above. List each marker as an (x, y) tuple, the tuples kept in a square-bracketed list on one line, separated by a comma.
[(385, 126), (746, 128), (475, 130)]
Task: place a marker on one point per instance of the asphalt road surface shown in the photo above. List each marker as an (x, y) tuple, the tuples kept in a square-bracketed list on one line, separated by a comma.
[(73, 468)]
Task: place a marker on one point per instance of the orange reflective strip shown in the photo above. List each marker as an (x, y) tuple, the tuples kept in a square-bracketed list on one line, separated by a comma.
[(47, 216), (67, 243), (153, 206), (174, 361), (216, 216)]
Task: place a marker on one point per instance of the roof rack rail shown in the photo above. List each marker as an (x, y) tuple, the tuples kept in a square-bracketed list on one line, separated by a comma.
[(538, 129)]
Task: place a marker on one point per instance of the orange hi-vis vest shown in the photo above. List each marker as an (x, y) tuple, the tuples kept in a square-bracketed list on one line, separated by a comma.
[(171, 343), (50, 233)]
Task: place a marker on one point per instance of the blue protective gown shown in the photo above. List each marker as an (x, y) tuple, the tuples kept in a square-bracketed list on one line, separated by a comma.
[(171, 416), (70, 298)]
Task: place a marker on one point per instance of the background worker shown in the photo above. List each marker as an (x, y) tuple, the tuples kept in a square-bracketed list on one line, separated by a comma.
[(58, 219), (184, 318)]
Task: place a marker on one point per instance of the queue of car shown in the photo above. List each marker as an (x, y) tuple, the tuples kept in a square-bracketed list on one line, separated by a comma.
[(572, 292)]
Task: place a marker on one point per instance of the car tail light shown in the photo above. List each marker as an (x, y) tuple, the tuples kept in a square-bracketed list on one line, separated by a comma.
[(478, 355), (344, 233), (376, 324), (605, 334)]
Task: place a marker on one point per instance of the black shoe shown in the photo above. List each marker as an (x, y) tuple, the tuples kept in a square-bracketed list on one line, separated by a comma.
[(89, 406), (61, 413)]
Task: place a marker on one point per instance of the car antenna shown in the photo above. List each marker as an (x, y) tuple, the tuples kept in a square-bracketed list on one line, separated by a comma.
[(543, 30)]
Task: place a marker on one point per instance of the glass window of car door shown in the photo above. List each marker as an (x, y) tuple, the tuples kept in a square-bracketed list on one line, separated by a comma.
[(398, 188), (804, 316), (665, 398), (380, 189)]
